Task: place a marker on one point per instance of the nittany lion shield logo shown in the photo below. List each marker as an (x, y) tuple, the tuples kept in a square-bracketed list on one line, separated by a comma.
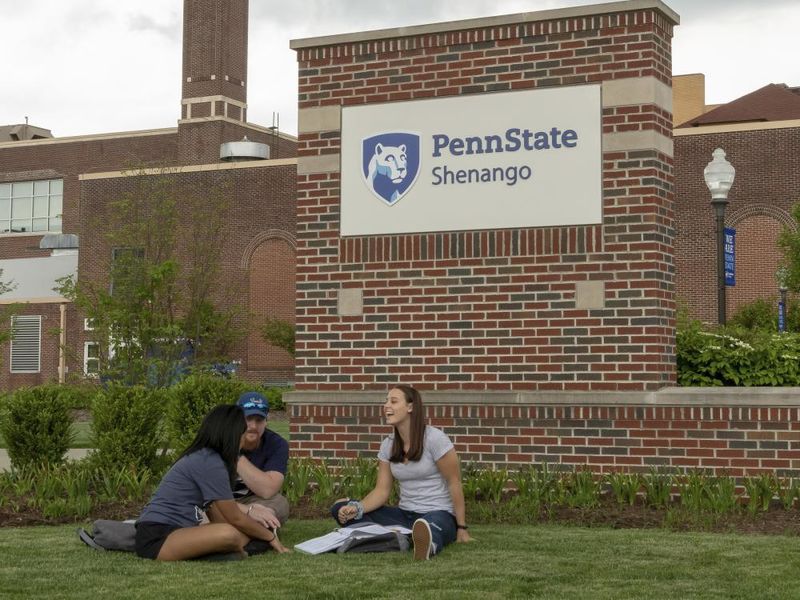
[(390, 164)]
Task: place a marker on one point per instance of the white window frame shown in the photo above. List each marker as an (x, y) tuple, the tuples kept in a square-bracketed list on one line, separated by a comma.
[(88, 324), (49, 191), (31, 319), (87, 358)]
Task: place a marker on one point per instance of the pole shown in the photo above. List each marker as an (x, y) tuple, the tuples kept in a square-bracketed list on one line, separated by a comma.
[(719, 211), (62, 343), (782, 311)]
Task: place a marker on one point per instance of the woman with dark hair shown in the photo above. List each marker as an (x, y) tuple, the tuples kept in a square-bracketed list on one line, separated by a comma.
[(169, 527), (425, 464)]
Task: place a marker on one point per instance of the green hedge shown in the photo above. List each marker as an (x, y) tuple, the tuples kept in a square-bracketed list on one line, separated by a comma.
[(36, 424), (762, 314), (735, 356), (192, 398), (126, 426), (129, 423)]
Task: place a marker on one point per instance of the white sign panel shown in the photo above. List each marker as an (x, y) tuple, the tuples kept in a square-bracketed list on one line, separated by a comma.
[(488, 161)]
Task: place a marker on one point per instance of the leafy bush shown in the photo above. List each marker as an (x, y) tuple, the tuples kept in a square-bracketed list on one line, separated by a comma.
[(280, 334), (36, 425), (192, 399), (732, 356), (196, 395), (79, 396), (762, 314), (126, 426)]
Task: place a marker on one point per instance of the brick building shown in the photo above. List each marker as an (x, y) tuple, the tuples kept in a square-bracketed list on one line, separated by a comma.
[(760, 132), (55, 194)]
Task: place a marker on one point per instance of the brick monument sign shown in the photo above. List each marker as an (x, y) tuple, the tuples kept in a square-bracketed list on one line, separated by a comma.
[(485, 211)]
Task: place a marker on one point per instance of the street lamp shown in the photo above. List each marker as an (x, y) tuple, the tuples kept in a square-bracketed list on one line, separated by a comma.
[(719, 174)]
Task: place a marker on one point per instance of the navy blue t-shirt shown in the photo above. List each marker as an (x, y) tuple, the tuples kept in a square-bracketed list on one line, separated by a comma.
[(190, 485), (271, 455)]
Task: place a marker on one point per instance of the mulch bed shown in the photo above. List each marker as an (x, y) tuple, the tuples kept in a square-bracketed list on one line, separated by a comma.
[(776, 521)]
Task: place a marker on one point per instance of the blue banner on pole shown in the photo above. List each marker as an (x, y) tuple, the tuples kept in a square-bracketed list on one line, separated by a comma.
[(781, 316), (729, 255)]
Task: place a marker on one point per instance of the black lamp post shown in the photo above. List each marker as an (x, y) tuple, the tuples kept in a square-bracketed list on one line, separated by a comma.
[(782, 275), (719, 174)]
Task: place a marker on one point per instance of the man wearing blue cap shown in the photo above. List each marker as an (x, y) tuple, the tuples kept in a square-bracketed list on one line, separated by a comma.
[(262, 465)]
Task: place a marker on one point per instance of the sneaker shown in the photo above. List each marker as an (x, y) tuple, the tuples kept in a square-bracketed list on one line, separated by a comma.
[(421, 534)]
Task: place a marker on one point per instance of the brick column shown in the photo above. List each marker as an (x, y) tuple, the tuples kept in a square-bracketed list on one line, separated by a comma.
[(571, 308)]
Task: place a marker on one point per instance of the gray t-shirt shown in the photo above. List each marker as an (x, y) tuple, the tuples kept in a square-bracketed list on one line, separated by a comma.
[(188, 487), (422, 487)]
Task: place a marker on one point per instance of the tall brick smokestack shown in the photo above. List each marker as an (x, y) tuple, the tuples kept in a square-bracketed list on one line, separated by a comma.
[(214, 92)]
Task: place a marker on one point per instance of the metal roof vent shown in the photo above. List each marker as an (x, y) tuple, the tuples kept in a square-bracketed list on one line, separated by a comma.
[(244, 150), (58, 241)]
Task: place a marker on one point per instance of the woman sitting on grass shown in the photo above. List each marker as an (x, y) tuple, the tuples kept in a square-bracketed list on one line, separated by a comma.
[(169, 527), (425, 464)]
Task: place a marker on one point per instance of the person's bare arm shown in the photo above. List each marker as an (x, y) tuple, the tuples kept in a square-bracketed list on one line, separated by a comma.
[(228, 511), (265, 484), (450, 470), (375, 499), (261, 514)]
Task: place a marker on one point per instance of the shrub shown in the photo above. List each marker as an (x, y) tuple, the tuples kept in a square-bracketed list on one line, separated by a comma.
[(280, 334), (196, 395), (79, 396), (762, 314), (36, 425), (759, 314), (192, 399), (126, 426), (732, 356)]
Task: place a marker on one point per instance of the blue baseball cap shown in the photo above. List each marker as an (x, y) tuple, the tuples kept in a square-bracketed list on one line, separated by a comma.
[(253, 403)]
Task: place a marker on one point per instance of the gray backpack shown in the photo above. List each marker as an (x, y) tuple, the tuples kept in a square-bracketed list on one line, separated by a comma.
[(110, 535)]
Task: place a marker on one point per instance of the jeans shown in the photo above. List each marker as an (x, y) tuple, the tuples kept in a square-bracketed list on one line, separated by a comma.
[(442, 523)]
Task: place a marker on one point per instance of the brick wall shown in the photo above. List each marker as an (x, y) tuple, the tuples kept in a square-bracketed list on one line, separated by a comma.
[(49, 340), (766, 187), (493, 309), (736, 432), (271, 295)]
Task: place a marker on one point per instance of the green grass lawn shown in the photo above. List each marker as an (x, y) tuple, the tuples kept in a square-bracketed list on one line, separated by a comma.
[(506, 562), (82, 432)]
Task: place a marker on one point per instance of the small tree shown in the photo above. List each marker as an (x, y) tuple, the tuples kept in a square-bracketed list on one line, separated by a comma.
[(789, 242), (163, 307)]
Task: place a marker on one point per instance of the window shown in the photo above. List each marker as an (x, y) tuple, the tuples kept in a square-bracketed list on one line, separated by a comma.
[(26, 348), (88, 324), (31, 206), (91, 359)]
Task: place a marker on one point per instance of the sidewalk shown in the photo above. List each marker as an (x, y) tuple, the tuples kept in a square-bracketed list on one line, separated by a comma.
[(74, 453)]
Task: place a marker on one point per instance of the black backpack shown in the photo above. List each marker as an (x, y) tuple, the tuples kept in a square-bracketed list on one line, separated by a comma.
[(385, 542)]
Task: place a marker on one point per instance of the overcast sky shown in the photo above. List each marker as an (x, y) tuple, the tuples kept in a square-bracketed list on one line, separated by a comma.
[(94, 66)]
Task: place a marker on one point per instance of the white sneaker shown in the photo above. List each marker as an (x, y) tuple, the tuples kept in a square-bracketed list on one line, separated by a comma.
[(421, 535)]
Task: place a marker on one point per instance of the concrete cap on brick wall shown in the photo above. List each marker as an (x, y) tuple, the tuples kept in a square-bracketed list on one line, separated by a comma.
[(499, 21)]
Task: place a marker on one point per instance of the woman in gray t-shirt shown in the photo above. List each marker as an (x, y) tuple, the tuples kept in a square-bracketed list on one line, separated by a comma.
[(425, 464), (170, 528)]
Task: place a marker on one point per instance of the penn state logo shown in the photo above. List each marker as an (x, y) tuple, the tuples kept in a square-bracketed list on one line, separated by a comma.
[(390, 164)]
